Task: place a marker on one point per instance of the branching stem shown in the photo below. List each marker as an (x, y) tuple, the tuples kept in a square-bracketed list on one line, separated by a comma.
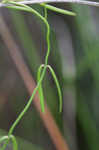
[(82, 2)]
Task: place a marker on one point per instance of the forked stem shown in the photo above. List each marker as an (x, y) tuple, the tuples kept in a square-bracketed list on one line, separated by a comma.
[(42, 68), (29, 9), (57, 85)]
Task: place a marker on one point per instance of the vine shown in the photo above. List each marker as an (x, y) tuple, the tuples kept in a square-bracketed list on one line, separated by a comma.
[(41, 71)]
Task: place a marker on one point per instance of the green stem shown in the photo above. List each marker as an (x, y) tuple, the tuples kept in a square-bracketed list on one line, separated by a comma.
[(29, 9), (44, 70), (57, 85), (15, 146), (58, 10)]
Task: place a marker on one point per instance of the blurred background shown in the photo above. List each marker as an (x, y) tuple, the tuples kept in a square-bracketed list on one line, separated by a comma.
[(75, 59)]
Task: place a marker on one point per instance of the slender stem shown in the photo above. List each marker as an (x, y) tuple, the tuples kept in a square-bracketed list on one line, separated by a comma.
[(7, 138), (40, 91), (57, 85), (82, 2), (58, 10), (44, 70), (29, 9)]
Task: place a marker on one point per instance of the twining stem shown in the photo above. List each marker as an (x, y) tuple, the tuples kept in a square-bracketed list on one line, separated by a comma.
[(29, 9), (42, 69)]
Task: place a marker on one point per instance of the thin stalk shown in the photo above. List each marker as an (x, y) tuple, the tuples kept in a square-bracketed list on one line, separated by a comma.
[(57, 85), (82, 2), (29, 9)]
